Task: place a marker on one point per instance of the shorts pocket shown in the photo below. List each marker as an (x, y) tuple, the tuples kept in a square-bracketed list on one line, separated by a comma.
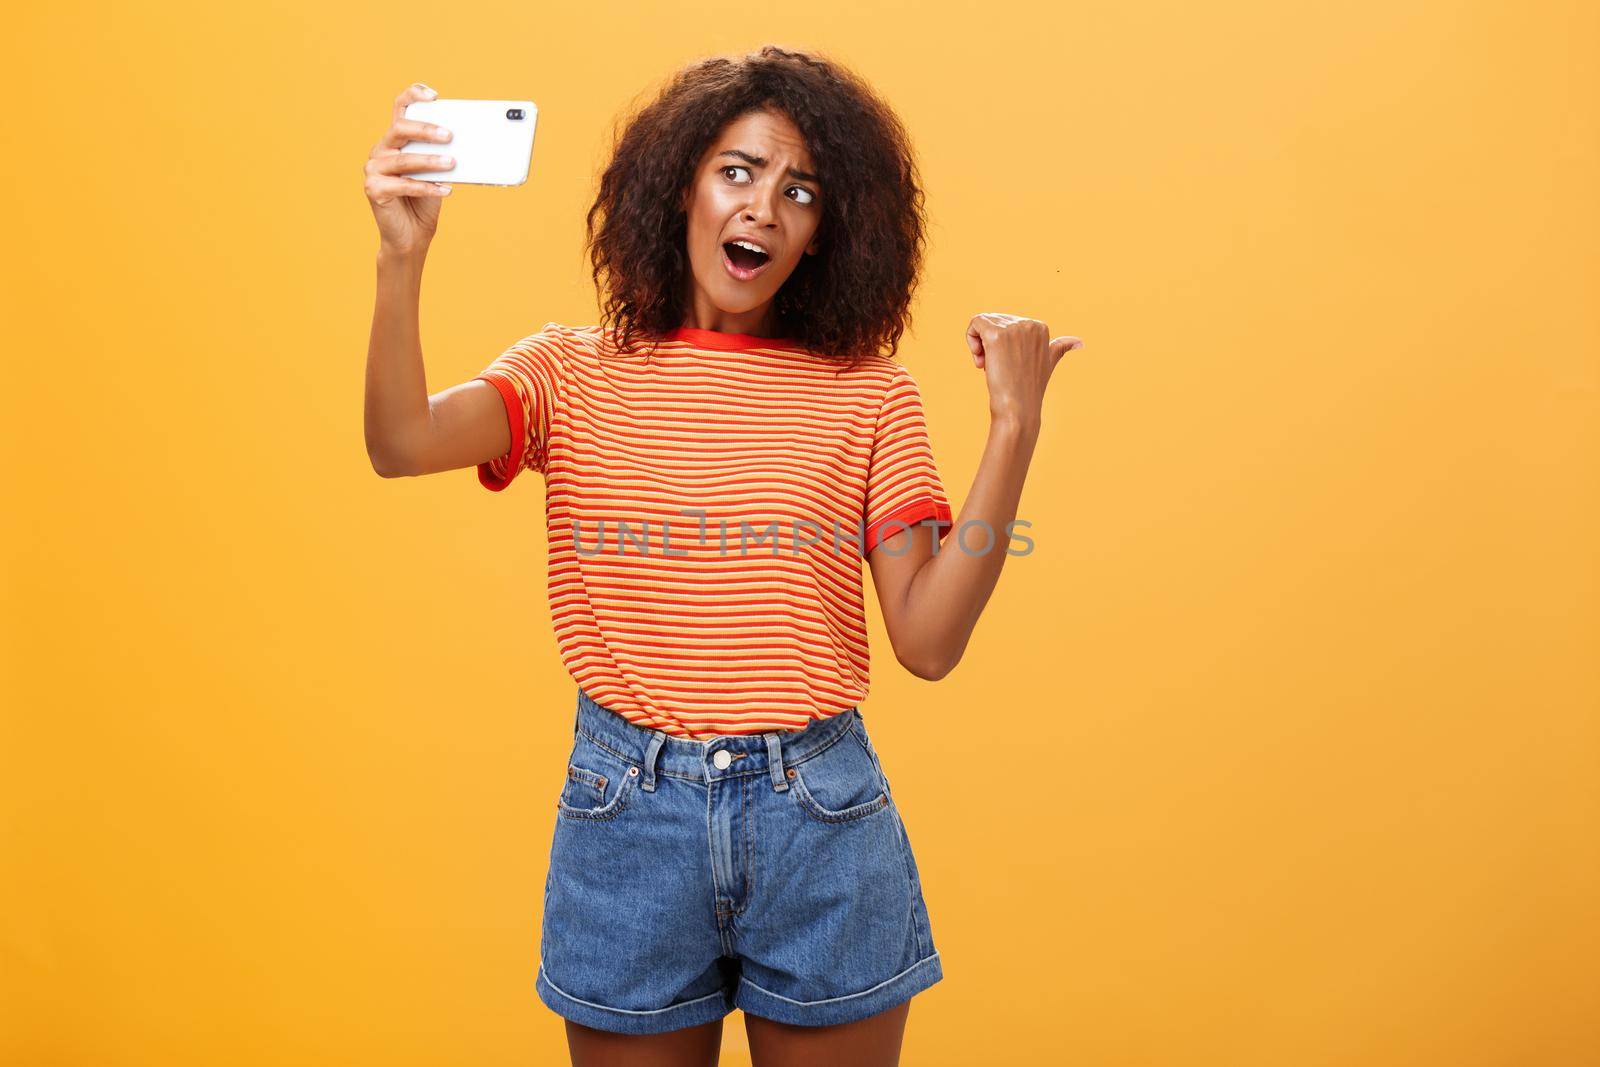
[(598, 783), (840, 784)]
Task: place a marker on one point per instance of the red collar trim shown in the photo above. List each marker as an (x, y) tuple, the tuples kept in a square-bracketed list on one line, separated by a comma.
[(730, 342)]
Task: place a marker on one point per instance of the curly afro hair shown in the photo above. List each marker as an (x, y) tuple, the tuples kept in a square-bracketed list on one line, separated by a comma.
[(853, 297)]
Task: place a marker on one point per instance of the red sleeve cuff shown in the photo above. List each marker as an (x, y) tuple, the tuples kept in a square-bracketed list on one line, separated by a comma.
[(496, 474), (911, 515)]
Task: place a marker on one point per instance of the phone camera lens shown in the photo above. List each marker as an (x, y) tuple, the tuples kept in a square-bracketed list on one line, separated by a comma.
[(514, 113)]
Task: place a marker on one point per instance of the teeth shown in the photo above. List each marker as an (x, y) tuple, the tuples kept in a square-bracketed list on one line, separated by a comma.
[(751, 247)]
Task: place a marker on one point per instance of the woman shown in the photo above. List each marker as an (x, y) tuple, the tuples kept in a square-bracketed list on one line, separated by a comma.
[(719, 456)]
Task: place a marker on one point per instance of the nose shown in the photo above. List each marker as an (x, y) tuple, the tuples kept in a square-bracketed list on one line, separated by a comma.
[(760, 210)]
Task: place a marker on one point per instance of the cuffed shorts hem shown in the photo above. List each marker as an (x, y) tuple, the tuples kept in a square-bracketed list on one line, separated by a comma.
[(694, 1012), (753, 1000)]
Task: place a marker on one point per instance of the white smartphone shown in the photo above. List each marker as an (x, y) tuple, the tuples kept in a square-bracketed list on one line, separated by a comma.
[(491, 140)]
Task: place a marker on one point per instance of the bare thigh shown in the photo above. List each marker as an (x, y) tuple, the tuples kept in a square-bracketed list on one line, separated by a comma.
[(692, 1046), (870, 1042)]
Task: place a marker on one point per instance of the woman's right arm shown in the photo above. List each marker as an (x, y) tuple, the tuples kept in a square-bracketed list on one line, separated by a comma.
[(409, 432)]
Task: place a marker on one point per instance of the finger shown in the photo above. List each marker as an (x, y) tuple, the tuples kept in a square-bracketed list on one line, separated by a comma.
[(412, 92), (408, 162), (381, 189), (982, 326), (1060, 346), (406, 130)]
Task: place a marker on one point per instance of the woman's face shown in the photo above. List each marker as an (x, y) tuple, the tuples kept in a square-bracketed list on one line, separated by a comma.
[(756, 182)]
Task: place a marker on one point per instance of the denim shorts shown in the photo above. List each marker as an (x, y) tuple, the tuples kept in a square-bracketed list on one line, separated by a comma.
[(766, 872)]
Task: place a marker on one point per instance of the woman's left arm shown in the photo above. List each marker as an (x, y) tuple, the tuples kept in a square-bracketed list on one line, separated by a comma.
[(932, 600)]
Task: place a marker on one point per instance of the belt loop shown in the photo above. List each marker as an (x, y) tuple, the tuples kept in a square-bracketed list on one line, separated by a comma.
[(775, 763), (657, 739)]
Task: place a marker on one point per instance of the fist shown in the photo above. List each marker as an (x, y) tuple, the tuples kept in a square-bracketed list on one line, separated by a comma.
[(1017, 357)]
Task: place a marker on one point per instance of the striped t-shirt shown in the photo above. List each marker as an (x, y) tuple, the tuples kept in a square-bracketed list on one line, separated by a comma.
[(708, 510)]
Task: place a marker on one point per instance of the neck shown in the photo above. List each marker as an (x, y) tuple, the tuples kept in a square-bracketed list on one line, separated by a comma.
[(702, 314)]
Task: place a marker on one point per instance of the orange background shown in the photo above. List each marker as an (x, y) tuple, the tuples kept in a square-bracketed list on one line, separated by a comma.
[(1280, 748)]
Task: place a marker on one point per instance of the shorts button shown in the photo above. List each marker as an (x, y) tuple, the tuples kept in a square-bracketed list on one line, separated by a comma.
[(721, 759)]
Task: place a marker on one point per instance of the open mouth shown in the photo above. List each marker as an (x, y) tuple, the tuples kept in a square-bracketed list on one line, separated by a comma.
[(743, 263)]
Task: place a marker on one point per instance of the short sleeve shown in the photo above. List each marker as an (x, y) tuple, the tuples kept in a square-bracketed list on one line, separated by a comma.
[(530, 377), (903, 484)]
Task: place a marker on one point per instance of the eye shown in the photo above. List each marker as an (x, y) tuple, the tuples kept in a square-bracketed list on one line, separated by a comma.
[(806, 195)]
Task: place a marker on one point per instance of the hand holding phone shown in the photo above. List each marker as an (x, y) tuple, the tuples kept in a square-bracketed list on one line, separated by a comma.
[(433, 144), (407, 208)]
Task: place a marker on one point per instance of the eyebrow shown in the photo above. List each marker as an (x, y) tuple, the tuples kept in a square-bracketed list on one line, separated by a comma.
[(757, 161)]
